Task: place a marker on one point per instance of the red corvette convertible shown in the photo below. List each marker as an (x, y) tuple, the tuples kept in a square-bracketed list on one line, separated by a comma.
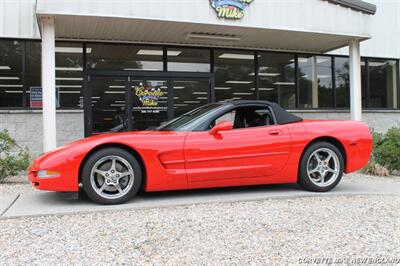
[(231, 143)]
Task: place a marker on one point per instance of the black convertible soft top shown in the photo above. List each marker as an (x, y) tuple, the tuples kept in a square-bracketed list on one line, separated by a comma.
[(281, 115)]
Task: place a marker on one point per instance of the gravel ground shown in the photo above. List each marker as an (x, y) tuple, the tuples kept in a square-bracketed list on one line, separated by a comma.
[(269, 232), (16, 184), (359, 177)]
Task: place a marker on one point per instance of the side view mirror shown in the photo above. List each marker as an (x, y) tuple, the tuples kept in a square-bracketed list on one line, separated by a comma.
[(221, 127)]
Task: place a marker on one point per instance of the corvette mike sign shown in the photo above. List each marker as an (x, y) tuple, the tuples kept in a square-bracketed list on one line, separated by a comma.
[(230, 9), (149, 98)]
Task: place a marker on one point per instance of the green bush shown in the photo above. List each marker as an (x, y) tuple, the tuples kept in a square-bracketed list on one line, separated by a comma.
[(387, 149), (13, 158), (385, 153)]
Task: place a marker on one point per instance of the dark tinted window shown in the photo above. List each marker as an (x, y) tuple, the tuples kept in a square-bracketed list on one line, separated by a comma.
[(234, 75), (363, 83), (108, 104), (188, 59), (382, 83), (124, 57), (315, 76), (276, 76), (69, 74), (189, 94), (11, 87), (33, 68), (342, 82)]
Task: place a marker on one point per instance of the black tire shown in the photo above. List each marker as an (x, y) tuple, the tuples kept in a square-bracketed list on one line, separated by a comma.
[(129, 192), (306, 181)]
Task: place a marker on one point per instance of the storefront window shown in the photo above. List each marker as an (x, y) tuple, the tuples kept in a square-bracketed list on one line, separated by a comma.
[(315, 76), (191, 60), (33, 68), (342, 82), (124, 57), (234, 75), (363, 83), (276, 76), (11, 87), (382, 83), (69, 74)]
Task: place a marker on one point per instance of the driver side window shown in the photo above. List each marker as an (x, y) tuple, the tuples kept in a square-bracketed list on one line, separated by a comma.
[(229, 117), (246, 117)]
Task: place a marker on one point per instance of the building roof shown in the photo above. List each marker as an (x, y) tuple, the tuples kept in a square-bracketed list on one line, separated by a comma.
[(357, 5)]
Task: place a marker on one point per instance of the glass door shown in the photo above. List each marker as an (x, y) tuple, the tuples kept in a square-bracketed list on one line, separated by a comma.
[(107, 104), (155, 101), (149, 98), (189, 94), (122, 103)]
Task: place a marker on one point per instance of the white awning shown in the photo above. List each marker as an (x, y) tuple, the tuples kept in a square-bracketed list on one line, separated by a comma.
[(309, 26)]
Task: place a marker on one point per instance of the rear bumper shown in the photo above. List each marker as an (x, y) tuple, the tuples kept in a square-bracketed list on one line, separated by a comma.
[(358, 154)]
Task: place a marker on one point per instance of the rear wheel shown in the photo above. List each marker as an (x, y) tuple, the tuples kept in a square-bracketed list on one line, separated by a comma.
[(111, 176), (321, 167)]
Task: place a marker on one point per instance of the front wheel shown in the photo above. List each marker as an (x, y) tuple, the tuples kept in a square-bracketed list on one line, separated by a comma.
[(321, 167), (111, 176)]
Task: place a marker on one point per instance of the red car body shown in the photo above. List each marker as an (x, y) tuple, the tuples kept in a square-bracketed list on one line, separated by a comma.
[(173, 160)]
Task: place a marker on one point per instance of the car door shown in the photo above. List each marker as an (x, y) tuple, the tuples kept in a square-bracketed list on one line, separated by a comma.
[(258, 151)]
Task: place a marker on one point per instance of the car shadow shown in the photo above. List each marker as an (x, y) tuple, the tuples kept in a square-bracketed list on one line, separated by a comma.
[(219, 191), (182, 194)]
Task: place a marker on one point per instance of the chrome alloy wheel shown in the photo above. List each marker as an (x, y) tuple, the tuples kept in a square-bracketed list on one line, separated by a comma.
[(323, 167), (112, 177)]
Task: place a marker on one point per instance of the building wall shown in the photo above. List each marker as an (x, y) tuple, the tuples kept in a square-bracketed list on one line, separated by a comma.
[(26, 128), (380, 121), (385, 31), (18, 19)]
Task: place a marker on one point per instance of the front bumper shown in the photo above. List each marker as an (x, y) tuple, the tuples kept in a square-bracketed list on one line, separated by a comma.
[(67, 181)]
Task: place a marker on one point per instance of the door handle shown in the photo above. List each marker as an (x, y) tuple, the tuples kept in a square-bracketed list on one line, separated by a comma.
[(275, 132)]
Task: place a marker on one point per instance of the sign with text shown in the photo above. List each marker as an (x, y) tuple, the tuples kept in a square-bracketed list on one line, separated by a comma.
[(230, 9), (36, 97), (149, 98)]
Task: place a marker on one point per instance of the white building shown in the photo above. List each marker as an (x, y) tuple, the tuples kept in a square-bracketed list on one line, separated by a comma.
[(97, 66)]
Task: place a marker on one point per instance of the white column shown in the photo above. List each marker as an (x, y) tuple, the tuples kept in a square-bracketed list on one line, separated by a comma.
[(48, 83), (355, 80)]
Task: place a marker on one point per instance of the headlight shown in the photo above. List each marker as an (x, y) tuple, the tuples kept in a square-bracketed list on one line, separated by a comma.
[(48, 174)]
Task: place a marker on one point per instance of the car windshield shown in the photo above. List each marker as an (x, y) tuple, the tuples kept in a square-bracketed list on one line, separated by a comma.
[(187, 121)]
